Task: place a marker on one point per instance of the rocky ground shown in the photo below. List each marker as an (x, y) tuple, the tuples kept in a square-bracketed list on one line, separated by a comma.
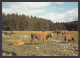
[(58, 48)]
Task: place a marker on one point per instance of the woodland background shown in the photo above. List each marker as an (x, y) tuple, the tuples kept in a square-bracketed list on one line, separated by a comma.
[(15, 22)]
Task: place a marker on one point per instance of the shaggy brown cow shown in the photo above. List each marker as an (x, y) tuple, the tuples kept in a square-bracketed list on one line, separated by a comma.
[(53, 32), (16, 42), (64, 32), (8, 32), (68, 38), (59, 34), (40, 36)]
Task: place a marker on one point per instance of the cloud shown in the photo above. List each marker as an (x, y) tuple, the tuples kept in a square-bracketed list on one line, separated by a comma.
[(41, 9), (71, 15), (59, 2), (27, 8)]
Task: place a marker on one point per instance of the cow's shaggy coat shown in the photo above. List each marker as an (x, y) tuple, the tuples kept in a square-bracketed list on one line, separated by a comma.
[(16, 42), (68, 38), (40, 36), (8, 32)]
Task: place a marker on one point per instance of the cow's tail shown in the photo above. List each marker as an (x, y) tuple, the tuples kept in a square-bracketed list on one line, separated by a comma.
[(73, 39), (32, 37)]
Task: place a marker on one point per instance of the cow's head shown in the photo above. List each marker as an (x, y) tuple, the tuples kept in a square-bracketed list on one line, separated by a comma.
[(49, 36)]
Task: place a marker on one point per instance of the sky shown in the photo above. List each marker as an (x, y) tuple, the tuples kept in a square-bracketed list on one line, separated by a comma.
[(54, 11)]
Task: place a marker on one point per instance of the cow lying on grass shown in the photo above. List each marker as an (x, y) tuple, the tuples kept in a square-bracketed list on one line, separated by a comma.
[(16, 42), (8, 32), (53, 32), (61, 33), (68, 38), (40, 36)]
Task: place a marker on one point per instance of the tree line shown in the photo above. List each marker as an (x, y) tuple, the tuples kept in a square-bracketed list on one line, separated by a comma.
[(22, 22)]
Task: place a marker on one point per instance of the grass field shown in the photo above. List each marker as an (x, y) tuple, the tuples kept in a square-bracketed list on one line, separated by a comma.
[(53, 47)]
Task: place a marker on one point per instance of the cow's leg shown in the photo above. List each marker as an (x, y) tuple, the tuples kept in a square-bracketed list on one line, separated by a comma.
[(71, 42), (44, 41), (66, 40), (33, 40)]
